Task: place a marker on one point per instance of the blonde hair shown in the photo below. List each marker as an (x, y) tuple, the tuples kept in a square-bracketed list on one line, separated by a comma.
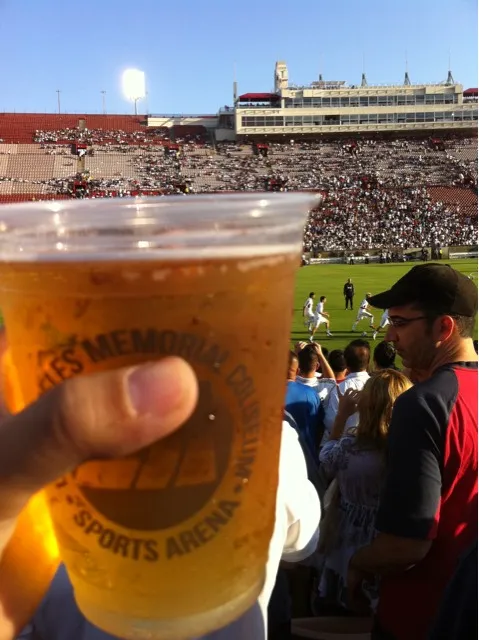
[(375, 406)]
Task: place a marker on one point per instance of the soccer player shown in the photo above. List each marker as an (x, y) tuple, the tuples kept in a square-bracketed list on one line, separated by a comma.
[(364, 313), (383, 324), (308, 314), (321, 317)]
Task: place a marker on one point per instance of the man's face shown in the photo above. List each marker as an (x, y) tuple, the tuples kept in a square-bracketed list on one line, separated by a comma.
[(412, 336)]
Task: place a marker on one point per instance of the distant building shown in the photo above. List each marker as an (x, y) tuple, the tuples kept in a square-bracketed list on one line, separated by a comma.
[(333, 107)]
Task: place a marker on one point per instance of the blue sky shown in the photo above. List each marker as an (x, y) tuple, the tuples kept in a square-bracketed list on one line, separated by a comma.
[(188, 50)]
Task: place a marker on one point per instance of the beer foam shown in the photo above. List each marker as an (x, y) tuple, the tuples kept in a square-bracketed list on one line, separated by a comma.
[(186, 253)]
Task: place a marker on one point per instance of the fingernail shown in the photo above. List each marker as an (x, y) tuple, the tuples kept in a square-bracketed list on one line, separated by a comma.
[(157, 388)]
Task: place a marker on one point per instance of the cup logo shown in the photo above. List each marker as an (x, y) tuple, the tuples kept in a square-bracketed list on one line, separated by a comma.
[(164, 485)]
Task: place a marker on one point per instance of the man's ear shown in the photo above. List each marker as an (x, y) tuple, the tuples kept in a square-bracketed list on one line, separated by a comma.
[(443, 328)]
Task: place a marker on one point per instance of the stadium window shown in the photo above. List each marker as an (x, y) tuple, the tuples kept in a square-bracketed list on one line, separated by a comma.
[(335, 102), (401, 100), (449, 98), (354, 101), (326, 102), (289, 121), (308, 120), (278, 121), (410, 117), (430, 99), (344, 102), (354, 119), (420, 117), (421, 99), (373, 100), (411, 99), (364, 101), (316, 102), (298, 121), (373, 118), (429, 117), (382, 101)]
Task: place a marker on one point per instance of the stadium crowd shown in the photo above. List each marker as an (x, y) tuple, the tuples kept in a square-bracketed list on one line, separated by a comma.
[(375, 218), (376, 192), (102, 136)]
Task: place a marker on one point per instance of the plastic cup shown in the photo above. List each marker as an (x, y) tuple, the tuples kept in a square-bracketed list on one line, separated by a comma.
[(171, 542)]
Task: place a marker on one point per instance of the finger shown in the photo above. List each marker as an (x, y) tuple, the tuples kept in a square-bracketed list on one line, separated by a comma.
[(109, 414)]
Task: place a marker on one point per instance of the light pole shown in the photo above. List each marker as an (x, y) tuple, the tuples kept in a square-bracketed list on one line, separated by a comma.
[(58, 99), (103, 94)]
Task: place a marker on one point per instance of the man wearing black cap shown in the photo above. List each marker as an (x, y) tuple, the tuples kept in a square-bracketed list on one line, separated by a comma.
[(428, 512)]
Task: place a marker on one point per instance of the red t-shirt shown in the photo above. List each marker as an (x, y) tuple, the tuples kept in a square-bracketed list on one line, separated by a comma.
[(430, 493)]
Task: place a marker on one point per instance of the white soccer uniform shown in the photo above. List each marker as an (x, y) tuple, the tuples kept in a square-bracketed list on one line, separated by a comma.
[(318, 316), (308, 314), (384, 320), (363, 311)]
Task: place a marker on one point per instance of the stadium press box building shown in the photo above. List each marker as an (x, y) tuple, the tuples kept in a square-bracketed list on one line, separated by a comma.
[(333, 107)]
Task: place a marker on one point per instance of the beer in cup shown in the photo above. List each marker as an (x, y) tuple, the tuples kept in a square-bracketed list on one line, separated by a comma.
[(171, 542)]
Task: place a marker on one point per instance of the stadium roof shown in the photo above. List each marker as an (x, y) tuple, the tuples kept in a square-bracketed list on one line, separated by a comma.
[(470, 92), (252, 97)]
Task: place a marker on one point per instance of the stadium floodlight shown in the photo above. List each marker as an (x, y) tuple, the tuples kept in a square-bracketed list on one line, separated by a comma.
[(133, 82)]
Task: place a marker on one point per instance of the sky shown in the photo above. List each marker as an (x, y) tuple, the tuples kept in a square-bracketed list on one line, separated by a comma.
[(189, 50)]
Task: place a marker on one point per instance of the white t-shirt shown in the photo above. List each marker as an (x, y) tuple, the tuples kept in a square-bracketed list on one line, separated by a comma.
[(364, 305), (352, 381), (295, 537), (308, 307), (320, 308)]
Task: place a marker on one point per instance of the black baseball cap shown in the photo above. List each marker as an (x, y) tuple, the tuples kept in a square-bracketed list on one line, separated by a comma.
[(436, 287)]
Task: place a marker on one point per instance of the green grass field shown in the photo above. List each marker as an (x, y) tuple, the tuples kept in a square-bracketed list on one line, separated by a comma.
[(328, 280)]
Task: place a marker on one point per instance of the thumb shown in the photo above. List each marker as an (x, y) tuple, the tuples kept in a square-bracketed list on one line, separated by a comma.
[(105, 415)]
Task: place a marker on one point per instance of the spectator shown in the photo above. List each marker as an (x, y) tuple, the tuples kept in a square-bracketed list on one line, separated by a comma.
[(356, 355), (338, 364), (303, 403), (384, 356), (310, 358), (427, 516), (356, 460)]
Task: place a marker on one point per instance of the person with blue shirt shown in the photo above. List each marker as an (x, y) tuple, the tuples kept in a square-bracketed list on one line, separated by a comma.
[(303, 403)]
